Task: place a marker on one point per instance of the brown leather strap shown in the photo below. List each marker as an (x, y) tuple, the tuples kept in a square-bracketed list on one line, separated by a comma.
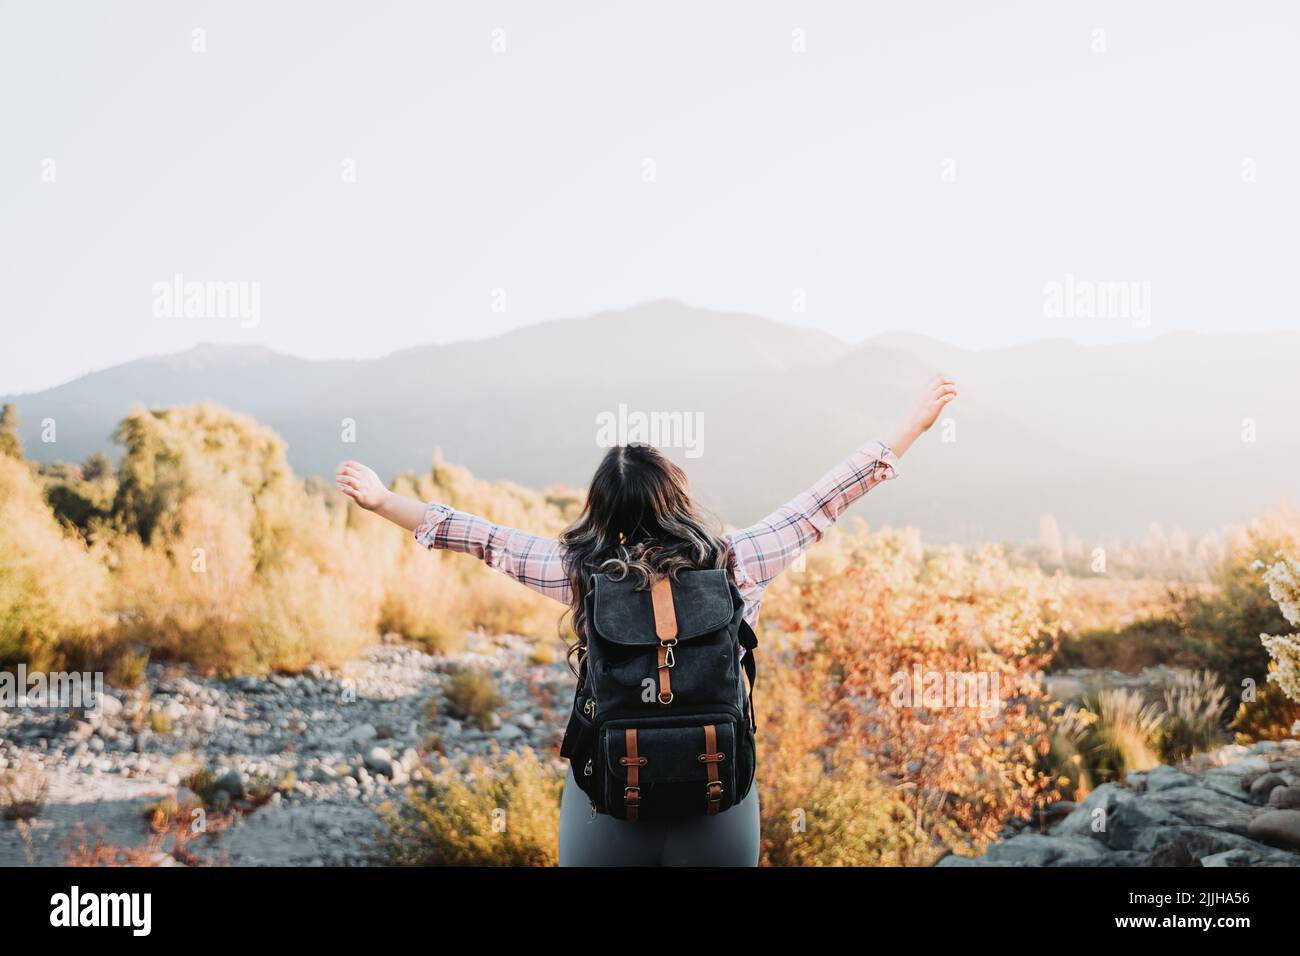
[(634, 762), (661, 598), (711, 758)]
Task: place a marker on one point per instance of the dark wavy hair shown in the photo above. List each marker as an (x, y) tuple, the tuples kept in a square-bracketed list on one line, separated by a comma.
[(639, 520)]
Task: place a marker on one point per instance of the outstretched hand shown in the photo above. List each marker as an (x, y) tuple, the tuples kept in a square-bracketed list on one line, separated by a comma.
[(939, 391), (361, 484)]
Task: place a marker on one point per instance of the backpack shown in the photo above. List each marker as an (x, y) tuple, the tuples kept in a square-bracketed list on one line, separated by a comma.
[(662, 725)]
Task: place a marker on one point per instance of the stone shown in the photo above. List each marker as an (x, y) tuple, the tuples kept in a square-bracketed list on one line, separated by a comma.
[(378, 760), (1285, 798), (1115, 817), (1263, 786), (1202, 806), (1173, 853), (1230, 858), (1167, 778), (1279, 828), (231, 782), (1038, 849)]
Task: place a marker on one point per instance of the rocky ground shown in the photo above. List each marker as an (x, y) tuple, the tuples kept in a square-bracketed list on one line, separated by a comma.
[(1234, 806), (317, 752)]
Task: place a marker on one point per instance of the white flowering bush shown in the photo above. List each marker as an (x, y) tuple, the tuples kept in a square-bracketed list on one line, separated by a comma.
[(1283, 579)]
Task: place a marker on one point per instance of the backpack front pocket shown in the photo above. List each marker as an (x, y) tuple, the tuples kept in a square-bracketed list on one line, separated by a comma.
[(669, 768)]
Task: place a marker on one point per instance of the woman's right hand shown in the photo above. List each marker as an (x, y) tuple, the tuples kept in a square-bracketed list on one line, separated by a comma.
[(361, 484), (939, 391)]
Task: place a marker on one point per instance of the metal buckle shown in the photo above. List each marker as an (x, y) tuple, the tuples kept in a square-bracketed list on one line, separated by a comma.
[(631, 794), (668, 701), (669, 658)]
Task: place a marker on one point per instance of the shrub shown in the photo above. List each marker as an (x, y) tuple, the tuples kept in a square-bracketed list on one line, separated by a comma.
[(1125, 736), (499, 813), (869, 613), (1194, 707), (823, 805), (51, 587), (1270, 716), (471, 694), (23, 791)]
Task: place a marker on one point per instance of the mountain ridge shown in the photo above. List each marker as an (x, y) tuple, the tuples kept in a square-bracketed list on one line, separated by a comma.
[(1108, 438)]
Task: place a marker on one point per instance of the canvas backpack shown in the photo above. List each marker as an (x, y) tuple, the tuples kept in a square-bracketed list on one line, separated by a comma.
[(663, 723)]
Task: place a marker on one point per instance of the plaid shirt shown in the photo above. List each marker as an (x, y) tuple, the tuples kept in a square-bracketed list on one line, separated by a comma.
[(757, 553)]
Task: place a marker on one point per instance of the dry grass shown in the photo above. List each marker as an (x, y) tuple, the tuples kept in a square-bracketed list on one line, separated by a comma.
[(499, 813), (23, 791)]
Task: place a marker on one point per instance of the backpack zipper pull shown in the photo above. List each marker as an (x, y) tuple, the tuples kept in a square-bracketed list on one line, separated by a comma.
[(586, 771)]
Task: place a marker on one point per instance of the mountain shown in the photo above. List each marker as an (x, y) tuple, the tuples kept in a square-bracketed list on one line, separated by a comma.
[(1108, 439)]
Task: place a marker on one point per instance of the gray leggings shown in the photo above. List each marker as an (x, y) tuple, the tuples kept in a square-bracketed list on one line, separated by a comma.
[(729, 839)]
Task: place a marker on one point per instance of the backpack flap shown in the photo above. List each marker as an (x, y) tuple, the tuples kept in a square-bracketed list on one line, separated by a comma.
[(703, 603)]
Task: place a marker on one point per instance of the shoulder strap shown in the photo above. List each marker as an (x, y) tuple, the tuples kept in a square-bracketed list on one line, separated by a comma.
[(749, 641)]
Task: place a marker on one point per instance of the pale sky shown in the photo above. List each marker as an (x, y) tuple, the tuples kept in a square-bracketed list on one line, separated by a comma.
[(1168, 157)]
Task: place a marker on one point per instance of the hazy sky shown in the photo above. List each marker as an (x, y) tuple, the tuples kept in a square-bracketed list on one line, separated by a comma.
[(1170, 157)]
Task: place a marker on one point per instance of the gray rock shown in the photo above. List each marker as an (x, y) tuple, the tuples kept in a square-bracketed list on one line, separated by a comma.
[(1202, 806), (1230, 858), (378, 760), (1285, 798), (1174, 853), (230, 782), (1114, 817), (1038, 849), (1263, 786), (509, 732), (1167, 778), (1277, 828)]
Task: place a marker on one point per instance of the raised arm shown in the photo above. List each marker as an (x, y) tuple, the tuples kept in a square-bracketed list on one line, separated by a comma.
[(533, 561), (763, 550)]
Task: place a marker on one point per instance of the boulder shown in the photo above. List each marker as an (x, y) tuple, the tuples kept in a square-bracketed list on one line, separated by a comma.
[(1285, 798), (1205, 807), (1115, 817), (1263, 786), (1278, 828), (1035, 849), (1167, 778)]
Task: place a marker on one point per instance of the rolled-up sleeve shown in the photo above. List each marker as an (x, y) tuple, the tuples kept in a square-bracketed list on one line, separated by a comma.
[(763, 550), (535, 562)]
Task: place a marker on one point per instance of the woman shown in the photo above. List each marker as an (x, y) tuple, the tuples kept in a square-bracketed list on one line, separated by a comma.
[(639, 518)]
